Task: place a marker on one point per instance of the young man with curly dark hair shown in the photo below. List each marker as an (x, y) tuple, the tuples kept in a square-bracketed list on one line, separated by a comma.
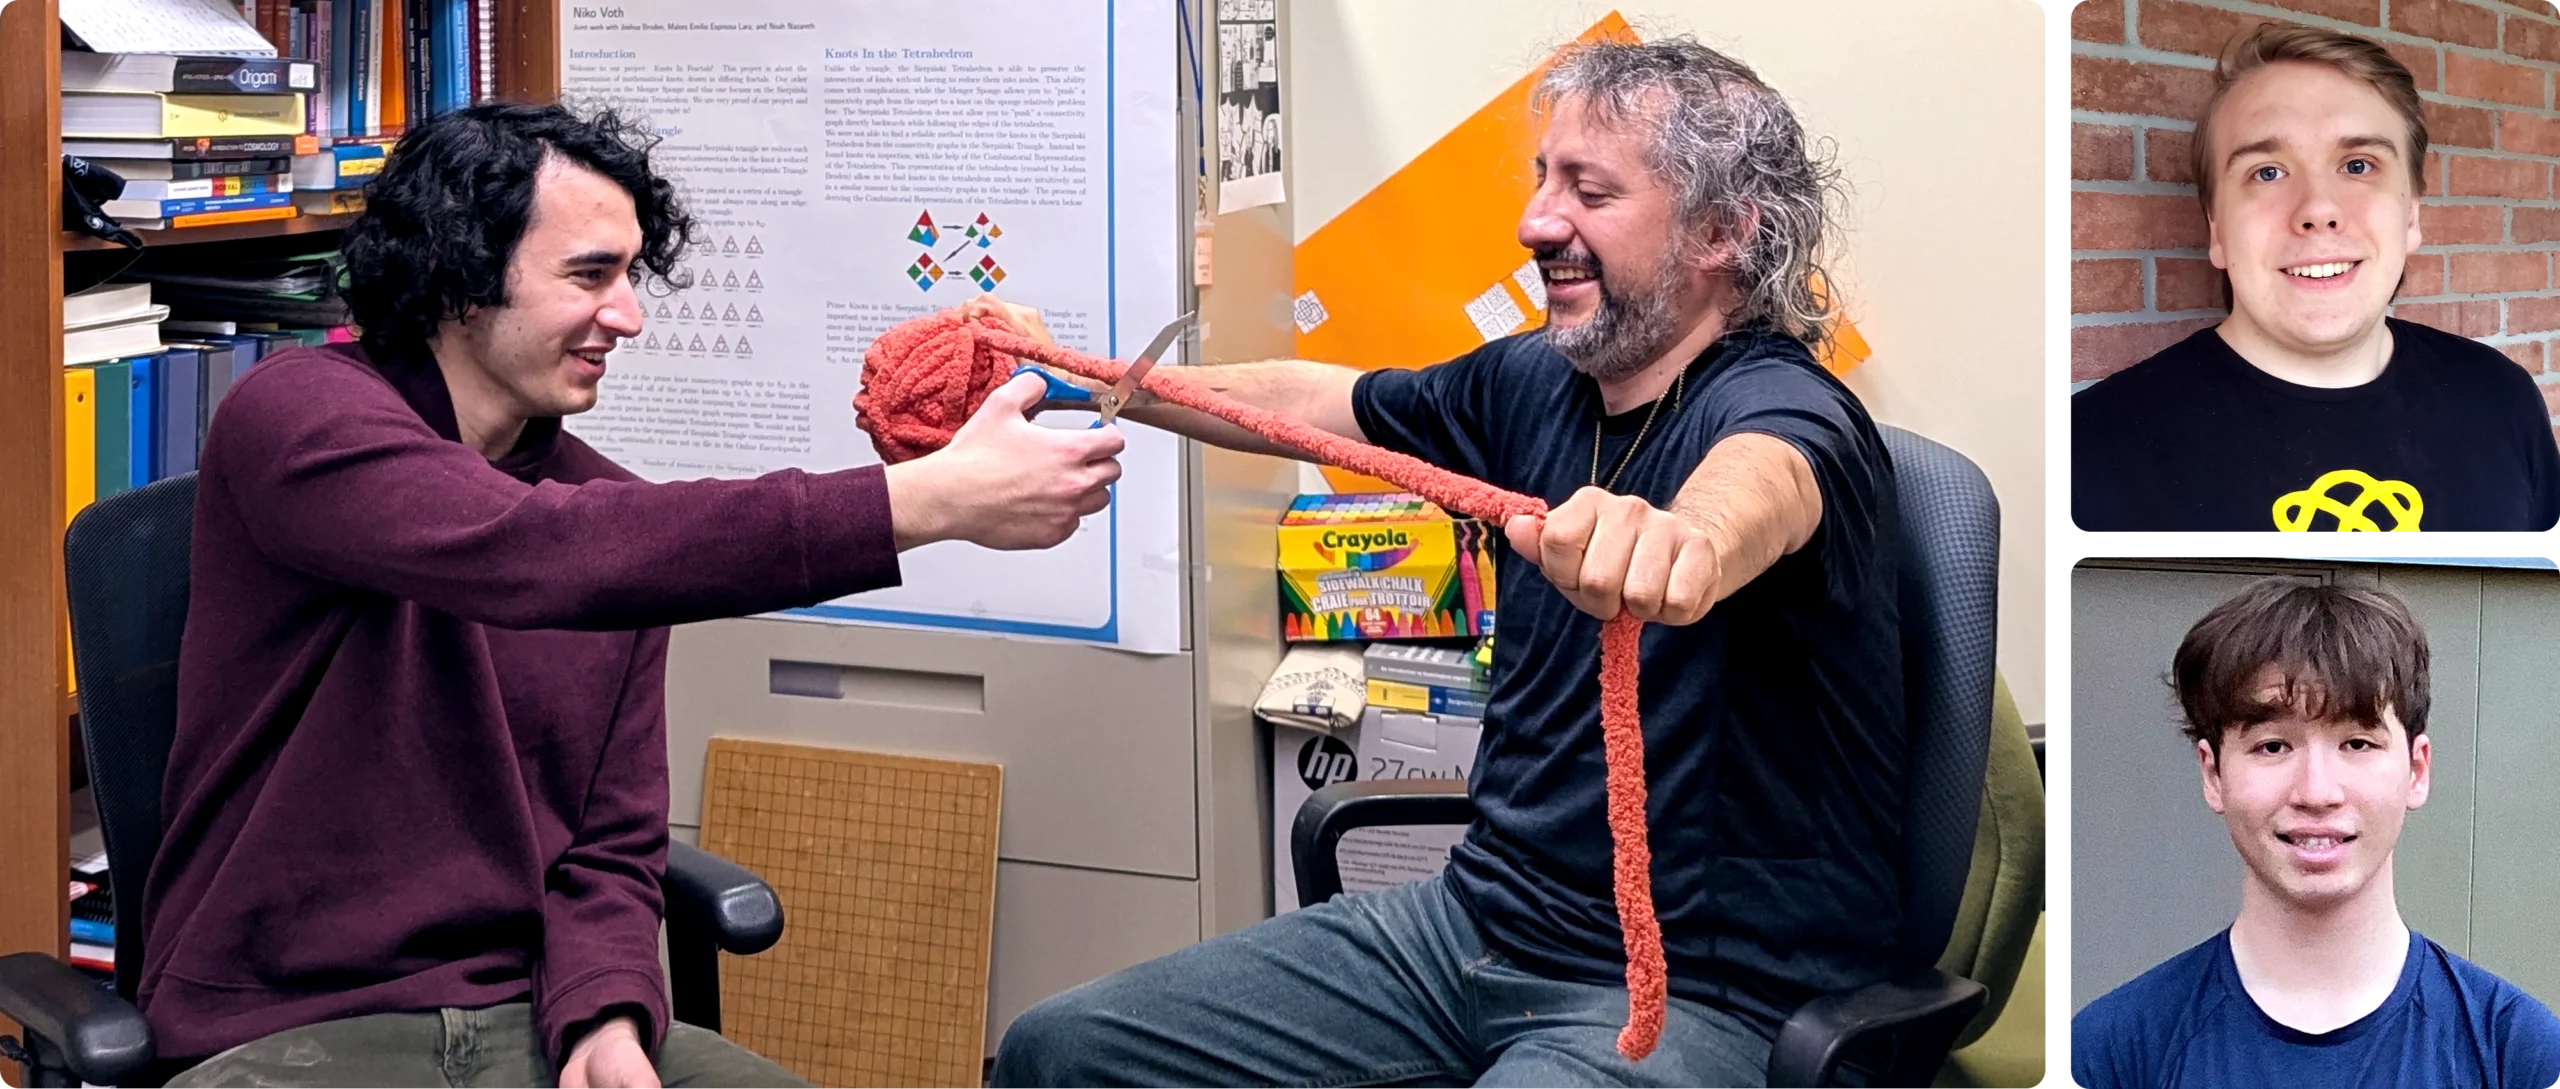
[(2306, 706), (417, 802)]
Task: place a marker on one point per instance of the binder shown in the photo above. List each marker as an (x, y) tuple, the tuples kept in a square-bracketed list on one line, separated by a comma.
[(213, 379), (79, 471), (144, 423), (79, 440), (174, 438), (115, 426)]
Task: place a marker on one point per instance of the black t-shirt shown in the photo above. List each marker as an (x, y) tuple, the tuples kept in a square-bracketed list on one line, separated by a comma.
[(1774, 738), (2452, 435)]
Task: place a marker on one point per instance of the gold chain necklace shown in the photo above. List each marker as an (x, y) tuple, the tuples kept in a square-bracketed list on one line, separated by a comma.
[(1679, 387)]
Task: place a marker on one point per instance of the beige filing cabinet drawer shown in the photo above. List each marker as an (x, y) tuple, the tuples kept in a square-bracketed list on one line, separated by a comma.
[(1091, 778), (1058, 928)]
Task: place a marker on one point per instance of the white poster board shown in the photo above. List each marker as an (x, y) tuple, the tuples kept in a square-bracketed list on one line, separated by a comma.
[(856, 163)]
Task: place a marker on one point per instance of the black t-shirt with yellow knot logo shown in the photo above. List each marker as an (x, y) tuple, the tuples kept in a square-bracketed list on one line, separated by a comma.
[(2452, 436)]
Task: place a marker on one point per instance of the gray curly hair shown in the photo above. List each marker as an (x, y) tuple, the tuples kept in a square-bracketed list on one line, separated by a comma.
[(1738, 165)]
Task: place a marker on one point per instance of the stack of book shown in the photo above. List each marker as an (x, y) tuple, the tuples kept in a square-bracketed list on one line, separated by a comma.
[(198, 140), (229, 112)]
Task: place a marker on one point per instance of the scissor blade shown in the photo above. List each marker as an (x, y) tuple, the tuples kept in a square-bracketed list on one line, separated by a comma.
[(1138, 368)]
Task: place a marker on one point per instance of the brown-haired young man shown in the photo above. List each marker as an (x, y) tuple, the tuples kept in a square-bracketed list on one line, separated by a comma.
[(2308, 408), (2307, 707)]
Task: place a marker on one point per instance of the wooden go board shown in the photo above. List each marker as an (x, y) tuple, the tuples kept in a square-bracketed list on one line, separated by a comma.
[(886, 866)]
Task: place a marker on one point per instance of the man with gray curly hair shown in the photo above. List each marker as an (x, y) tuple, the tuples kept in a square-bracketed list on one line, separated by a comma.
[(1705, 473)]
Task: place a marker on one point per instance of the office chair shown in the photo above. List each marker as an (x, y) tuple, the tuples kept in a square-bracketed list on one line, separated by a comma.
[(1901, 1028), (126, 560)]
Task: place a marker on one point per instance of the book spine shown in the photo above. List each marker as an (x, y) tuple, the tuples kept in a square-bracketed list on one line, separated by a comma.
[(240, 75), (323, 106), (225, 168), (422, 66), (188, 206), (457, 54), (230, 147), (362, 116), (244, 215)]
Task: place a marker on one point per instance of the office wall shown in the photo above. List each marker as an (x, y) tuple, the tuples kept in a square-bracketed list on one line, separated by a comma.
[(2153, 870), (1936, 110)]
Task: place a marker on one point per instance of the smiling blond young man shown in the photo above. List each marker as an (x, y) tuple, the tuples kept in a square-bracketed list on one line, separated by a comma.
[(2307, 708), (2308, 408)]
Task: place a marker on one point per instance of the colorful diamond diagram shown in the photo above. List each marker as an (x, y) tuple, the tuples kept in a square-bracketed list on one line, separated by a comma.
[(984, 231), (987, 273), (924, 272)]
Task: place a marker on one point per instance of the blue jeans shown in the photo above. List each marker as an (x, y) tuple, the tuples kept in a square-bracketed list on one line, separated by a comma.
[(1393, 987)]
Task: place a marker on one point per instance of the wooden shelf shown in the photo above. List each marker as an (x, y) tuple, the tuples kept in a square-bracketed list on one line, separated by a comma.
[(228, 232)]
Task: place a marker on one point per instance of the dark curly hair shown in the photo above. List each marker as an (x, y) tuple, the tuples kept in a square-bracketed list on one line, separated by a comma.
[(442, 220)]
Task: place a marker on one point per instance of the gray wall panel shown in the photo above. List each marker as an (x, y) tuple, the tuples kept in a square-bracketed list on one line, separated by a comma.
[(2516, 879)]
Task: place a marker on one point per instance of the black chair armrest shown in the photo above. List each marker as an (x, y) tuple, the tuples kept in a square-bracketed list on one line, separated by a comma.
[(1919, 1015), (101, 1038), (1334, 810), (710, 895)]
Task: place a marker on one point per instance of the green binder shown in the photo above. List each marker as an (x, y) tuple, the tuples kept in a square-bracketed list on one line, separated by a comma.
[(114, 404)]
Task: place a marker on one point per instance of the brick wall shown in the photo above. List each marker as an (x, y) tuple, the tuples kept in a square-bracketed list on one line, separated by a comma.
[(2140, 71)]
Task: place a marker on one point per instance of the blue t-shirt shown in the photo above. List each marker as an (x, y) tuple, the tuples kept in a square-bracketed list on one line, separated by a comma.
[(1773, 727), (2189, 1022)]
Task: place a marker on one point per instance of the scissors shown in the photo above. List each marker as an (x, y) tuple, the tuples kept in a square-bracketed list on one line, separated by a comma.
[(1109, 402)]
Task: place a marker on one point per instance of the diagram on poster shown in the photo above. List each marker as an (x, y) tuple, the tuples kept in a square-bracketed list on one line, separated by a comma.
[(852, 165)]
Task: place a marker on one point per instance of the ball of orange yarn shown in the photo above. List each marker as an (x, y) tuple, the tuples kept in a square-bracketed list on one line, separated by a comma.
[(922, 379)]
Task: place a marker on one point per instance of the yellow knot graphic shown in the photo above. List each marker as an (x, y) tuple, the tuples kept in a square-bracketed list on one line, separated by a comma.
[(2295, 511)]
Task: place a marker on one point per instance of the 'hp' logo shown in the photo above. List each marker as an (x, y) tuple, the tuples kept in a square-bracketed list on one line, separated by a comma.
[(1324, 761)]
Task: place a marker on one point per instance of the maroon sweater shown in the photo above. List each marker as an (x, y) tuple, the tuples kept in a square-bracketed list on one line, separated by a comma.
[(421, 754)]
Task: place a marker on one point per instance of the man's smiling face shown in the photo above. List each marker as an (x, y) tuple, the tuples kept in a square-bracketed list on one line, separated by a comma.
[(2314, 211), (2315, 806)]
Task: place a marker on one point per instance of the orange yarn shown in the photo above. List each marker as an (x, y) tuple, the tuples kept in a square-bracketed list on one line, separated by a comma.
[(922, 378)]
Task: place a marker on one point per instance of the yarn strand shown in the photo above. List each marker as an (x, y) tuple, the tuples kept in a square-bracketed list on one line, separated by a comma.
[(923, 377)]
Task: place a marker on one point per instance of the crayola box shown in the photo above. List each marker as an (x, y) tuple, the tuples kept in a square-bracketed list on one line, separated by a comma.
[(1382, 565)]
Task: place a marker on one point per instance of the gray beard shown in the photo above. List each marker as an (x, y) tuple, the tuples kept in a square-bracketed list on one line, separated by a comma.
[(1625, 333)]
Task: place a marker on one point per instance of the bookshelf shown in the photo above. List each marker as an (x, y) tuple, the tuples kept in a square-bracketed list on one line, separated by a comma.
[(35, 735)]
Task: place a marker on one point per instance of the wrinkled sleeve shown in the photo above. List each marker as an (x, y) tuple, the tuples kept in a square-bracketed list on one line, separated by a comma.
[(1444, 414), (336, 477), (601, 901), (1809, 410)]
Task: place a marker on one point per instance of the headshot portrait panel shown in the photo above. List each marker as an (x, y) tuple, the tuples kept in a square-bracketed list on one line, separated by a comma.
[(2311, 283), (2310, 822)]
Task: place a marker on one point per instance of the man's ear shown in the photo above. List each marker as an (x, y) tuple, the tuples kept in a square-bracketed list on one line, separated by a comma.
[(1721, 253), (2416, 238), (2422, 761), (2213, 244), (2210, 766)]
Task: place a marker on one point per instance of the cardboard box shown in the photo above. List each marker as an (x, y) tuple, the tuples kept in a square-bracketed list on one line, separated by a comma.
[(1382, 565), (1387, 744)]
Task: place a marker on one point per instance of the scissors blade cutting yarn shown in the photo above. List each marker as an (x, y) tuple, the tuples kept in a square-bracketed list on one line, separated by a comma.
[(1109, 402), (1117, 397)]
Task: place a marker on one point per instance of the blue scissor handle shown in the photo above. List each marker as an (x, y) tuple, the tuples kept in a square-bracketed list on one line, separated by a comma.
[(1059, 389)]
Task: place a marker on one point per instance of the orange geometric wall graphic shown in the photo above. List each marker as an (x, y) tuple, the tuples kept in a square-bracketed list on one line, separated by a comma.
[(1427, 266)]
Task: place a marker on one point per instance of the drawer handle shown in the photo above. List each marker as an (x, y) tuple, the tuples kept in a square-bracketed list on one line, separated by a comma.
[(910, 688)]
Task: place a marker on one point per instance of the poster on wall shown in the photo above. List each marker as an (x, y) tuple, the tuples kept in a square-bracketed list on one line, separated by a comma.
[(1248, 104), (853, 165)]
